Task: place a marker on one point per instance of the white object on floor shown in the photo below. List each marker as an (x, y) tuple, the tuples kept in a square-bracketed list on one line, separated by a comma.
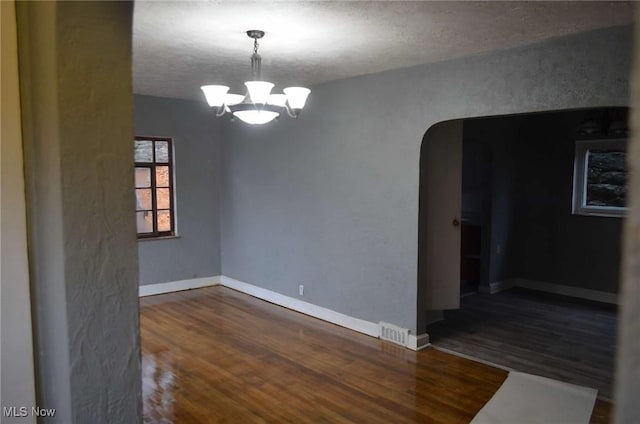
[(530, 399)]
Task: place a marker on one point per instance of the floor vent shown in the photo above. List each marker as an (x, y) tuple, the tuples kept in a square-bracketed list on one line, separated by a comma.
[(394, 334)]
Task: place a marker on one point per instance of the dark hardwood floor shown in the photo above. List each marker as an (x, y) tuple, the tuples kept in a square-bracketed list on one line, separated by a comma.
[(554, 336), (214, 355)]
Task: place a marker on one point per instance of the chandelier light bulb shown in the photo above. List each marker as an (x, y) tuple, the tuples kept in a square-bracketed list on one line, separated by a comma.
[(296, 96), (259, 91), (215, 94), (256, 117)]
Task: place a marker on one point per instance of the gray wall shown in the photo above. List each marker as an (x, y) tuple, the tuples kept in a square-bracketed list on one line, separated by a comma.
[(17, 385), (627, 407), (196, 136), (331, 200), (75, 90), (558, 247), (529, 205)]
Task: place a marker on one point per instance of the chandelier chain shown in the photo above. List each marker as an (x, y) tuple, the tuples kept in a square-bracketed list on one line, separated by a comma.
[(256, 62)]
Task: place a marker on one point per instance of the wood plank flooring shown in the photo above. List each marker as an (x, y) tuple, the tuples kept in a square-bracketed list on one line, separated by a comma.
[(554, 336), (214, 355)]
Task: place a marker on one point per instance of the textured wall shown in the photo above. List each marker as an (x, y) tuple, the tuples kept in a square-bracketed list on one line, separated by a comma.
[(331, 200), (36, 36), (75, 69), (196, 138), (18, 384), (627, 407)]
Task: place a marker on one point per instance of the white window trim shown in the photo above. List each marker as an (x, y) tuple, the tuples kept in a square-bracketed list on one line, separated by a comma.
[(579, 199)]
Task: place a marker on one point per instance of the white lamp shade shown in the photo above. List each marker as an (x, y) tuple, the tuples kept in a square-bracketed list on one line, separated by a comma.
[(215, 94), (296, 96), (256, 117), (233, 99), (277, 100), (259, 91)]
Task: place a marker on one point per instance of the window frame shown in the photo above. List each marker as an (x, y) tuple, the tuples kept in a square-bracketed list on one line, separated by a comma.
[(579, 190), (155, 234)]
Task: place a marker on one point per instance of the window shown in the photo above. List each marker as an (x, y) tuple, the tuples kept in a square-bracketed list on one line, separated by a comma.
[(155, 215), (600, 178)]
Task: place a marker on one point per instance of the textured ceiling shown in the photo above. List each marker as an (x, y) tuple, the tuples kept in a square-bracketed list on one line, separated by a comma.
[(179, 46)]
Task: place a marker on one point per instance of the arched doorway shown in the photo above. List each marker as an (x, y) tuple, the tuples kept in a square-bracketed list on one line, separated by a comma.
[(505, 185)]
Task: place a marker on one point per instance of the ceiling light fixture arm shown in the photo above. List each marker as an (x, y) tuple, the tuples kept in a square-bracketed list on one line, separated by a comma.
[(292, 112), (221, 110)]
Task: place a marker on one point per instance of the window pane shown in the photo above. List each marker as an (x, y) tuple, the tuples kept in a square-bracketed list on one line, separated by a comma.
[(163, 198), (162, 151), (164, 220), (162, 176), (143, 177), (143, 199), (606, 178), (153, 186), (143, 151), (144, 221)]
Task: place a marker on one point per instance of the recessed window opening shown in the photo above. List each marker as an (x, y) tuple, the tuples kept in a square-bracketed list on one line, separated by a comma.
[(155, 211), (600, 178)]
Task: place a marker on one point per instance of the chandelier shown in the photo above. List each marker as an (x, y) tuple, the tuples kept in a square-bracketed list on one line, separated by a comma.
[(258, 106)]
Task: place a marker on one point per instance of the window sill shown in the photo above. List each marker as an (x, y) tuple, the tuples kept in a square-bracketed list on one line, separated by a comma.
[(600, 215), (602, 212), (158, 238)]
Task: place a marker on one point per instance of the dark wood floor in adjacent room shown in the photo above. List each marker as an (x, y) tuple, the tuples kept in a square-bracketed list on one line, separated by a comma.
[(214, 355), (554, 336)]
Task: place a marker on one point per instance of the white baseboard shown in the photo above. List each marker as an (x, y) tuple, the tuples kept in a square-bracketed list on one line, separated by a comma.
[(173, 286), (356, 324), (418, 342), (578, 292), (546, 287)]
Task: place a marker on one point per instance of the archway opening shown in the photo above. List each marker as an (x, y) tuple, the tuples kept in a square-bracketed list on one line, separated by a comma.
[(526, 210)]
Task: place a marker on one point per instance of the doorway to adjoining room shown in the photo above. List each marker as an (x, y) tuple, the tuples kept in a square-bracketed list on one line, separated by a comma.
[(542, 203)]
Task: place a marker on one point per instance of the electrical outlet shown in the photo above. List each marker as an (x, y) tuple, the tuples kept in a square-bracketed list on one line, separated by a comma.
[(301, 290)]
